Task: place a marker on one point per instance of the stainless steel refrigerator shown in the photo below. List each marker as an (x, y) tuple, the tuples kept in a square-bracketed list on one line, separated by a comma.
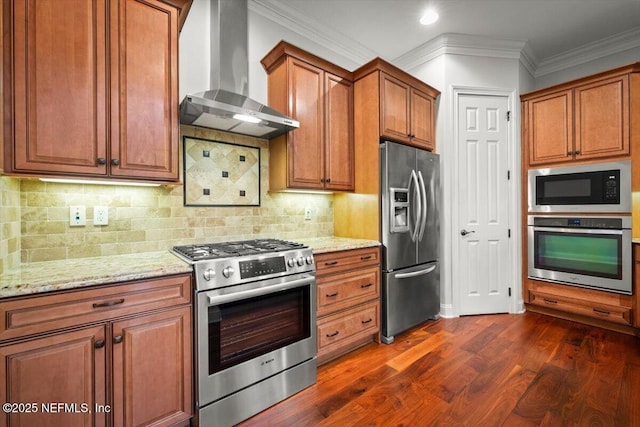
[(410, 232)]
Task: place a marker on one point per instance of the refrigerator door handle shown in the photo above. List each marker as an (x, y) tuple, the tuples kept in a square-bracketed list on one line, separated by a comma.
[(423, 195), (417, 198), (415, 273)]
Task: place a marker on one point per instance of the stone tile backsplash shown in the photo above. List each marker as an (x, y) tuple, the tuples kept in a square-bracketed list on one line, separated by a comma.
[(35, 216)]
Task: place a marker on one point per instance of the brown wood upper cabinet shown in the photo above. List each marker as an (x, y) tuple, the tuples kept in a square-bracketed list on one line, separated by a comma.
[(406, 113), (92, 89), (319, 154), (583, 120)]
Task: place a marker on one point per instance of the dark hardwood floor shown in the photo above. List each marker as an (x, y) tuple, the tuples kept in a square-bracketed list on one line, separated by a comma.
[(511, 370)]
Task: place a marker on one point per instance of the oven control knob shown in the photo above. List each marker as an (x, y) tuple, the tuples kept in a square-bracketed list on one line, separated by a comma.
[(209, 274), (301, 261), (309, 260), (291, 263), (227, 272)]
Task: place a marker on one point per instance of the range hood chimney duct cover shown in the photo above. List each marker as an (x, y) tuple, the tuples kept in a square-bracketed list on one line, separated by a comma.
[(228, 106)]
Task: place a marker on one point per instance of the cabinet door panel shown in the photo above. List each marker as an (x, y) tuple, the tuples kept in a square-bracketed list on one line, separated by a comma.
[(60, 85), (422, 125), (394, 108), (305, 144), (144, 114), (65, 368), (602, 118), (152, 369), (551, 128), (339, 161)]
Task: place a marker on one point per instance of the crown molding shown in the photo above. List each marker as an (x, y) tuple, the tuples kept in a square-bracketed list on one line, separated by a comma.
[(463, 44), (284, 15), (589, 52)]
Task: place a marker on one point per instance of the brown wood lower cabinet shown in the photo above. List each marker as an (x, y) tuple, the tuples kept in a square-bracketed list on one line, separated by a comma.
[(126, 363), (599, 308), (67, 368), (348, 300)]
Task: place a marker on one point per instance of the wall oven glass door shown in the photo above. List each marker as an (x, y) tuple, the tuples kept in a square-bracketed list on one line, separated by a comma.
[(592, 258), (249, 332)]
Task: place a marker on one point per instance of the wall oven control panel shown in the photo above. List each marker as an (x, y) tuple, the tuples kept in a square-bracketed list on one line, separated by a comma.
[(573, 222)]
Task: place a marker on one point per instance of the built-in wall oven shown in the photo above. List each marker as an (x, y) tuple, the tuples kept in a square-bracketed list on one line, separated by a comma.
[(255, 326), (587, 251), (593, 188)]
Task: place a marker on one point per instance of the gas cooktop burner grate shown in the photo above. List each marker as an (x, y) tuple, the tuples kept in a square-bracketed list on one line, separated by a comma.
[(234, 249)]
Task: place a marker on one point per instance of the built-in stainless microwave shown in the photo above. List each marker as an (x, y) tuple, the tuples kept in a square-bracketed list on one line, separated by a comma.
[(598, 187)]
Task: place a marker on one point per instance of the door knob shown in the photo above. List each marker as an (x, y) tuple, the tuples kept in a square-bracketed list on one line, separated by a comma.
[(464, 232)]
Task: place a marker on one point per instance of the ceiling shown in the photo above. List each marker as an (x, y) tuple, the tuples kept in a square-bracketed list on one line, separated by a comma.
[(390, 28)]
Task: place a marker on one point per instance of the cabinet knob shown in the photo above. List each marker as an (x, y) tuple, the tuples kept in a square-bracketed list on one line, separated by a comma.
[(327, 180), (117, 339), (577, 152), (99, 344), (115, 162), (322, 180), (102, 161), (569, 153)]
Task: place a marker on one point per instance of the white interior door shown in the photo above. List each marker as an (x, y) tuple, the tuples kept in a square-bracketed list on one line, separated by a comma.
[(483, 266)]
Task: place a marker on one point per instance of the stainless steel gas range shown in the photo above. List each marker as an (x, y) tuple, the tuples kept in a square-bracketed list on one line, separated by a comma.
[(255, 311)]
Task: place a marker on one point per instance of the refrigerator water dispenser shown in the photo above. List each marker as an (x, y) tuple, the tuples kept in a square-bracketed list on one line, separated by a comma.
[(399, 210)]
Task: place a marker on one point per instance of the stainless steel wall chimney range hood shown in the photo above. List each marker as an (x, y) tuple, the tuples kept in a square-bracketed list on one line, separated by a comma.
[(228, 108)]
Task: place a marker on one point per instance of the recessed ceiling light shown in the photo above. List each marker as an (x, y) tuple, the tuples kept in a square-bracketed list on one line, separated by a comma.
[(429, 17)]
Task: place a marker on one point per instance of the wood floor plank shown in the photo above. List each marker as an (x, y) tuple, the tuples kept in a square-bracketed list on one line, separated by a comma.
[(498, 370)]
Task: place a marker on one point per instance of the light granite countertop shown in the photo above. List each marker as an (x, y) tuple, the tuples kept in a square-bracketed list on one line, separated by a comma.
[(321, 245), (49, 276), (636, 241), (75, 273)]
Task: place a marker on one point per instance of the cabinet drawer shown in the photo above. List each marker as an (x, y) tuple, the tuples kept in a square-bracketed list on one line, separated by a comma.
[(335, 262), (601, 311), (340, 291), (336, 329), (37, 314)]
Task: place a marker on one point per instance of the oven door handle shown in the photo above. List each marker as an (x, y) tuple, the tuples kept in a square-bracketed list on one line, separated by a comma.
[(581, 230), (237, 296)]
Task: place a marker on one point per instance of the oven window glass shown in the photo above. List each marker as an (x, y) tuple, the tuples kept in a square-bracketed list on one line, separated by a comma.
[(588, 254), (242, 330)]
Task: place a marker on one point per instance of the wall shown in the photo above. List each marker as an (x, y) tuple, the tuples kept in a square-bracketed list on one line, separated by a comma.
[(592, 67), (446, 72), (9, 223), (264, 34), (150, 218)]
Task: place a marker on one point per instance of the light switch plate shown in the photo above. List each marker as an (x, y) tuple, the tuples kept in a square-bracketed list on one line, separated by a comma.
[(77, 216), (307, 213), (100, 215)]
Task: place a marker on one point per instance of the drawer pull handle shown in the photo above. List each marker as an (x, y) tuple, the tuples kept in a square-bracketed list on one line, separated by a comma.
[(550, 301), (368, 285), (331, 263), (108, 303), (117, 339), (364, 322), (335, 334), (99, 344), (602, 312), (364, 258), (335, 294)]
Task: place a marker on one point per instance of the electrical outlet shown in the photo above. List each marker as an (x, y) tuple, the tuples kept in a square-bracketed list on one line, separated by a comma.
[(77, 216), (100, 215), (307, 213)]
